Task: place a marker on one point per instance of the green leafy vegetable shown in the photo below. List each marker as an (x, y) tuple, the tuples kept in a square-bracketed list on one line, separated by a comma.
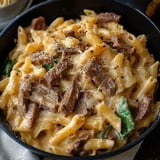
[(104, 132), (8, 68), (127, 120), (48, 66)]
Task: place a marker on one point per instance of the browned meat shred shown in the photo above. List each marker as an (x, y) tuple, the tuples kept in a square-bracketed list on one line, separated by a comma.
[(85, 104), (143, 108), (32, 114), (54, 75), (69, 99), (77, 146), (70, 51), (40, 58), (24, 94), (45, 97), (108, 17), (59, 71), (38, 23), (70, 33), (66, 50), (120, 45), (99, 76)]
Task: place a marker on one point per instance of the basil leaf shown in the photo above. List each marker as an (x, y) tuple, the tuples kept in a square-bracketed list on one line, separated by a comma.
[(128, 123)]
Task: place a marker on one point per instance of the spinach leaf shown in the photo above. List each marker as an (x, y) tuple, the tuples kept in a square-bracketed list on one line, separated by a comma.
[(48, 66), (128, 123), (104, 132), (8, 68)]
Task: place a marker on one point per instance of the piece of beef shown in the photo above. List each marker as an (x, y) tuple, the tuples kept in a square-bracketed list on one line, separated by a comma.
[(69, 33), (143, 108), (85, 104), (69, 99), (55, 74), (77, 147), (74, 50), (24, 94), (120, 45), (66, 50), (38, 23), (99, 76), (45, 97), (108, 17), (32, 114), (41, 58)]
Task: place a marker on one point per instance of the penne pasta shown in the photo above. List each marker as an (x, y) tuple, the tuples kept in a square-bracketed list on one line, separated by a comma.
[(76, 122), (79, 86)]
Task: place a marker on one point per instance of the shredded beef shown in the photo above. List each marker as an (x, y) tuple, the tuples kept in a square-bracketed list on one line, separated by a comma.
[(143, 108), (32, 114), (69, 99), (41, 58), (99, 76), (66, 50), (24, 94), (85, 104), (54, 75), (38, 23), (45, 97), (108, 17), (69, 33), (120, 45), (77, 146)]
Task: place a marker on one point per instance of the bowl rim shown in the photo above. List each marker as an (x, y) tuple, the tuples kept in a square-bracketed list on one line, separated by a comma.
[(122, 2), (98, 156)]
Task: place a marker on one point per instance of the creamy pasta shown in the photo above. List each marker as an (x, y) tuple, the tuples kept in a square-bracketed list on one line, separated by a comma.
[(79, 86)]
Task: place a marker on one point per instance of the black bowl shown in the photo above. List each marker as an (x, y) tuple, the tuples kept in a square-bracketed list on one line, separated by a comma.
[(133, 20)]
